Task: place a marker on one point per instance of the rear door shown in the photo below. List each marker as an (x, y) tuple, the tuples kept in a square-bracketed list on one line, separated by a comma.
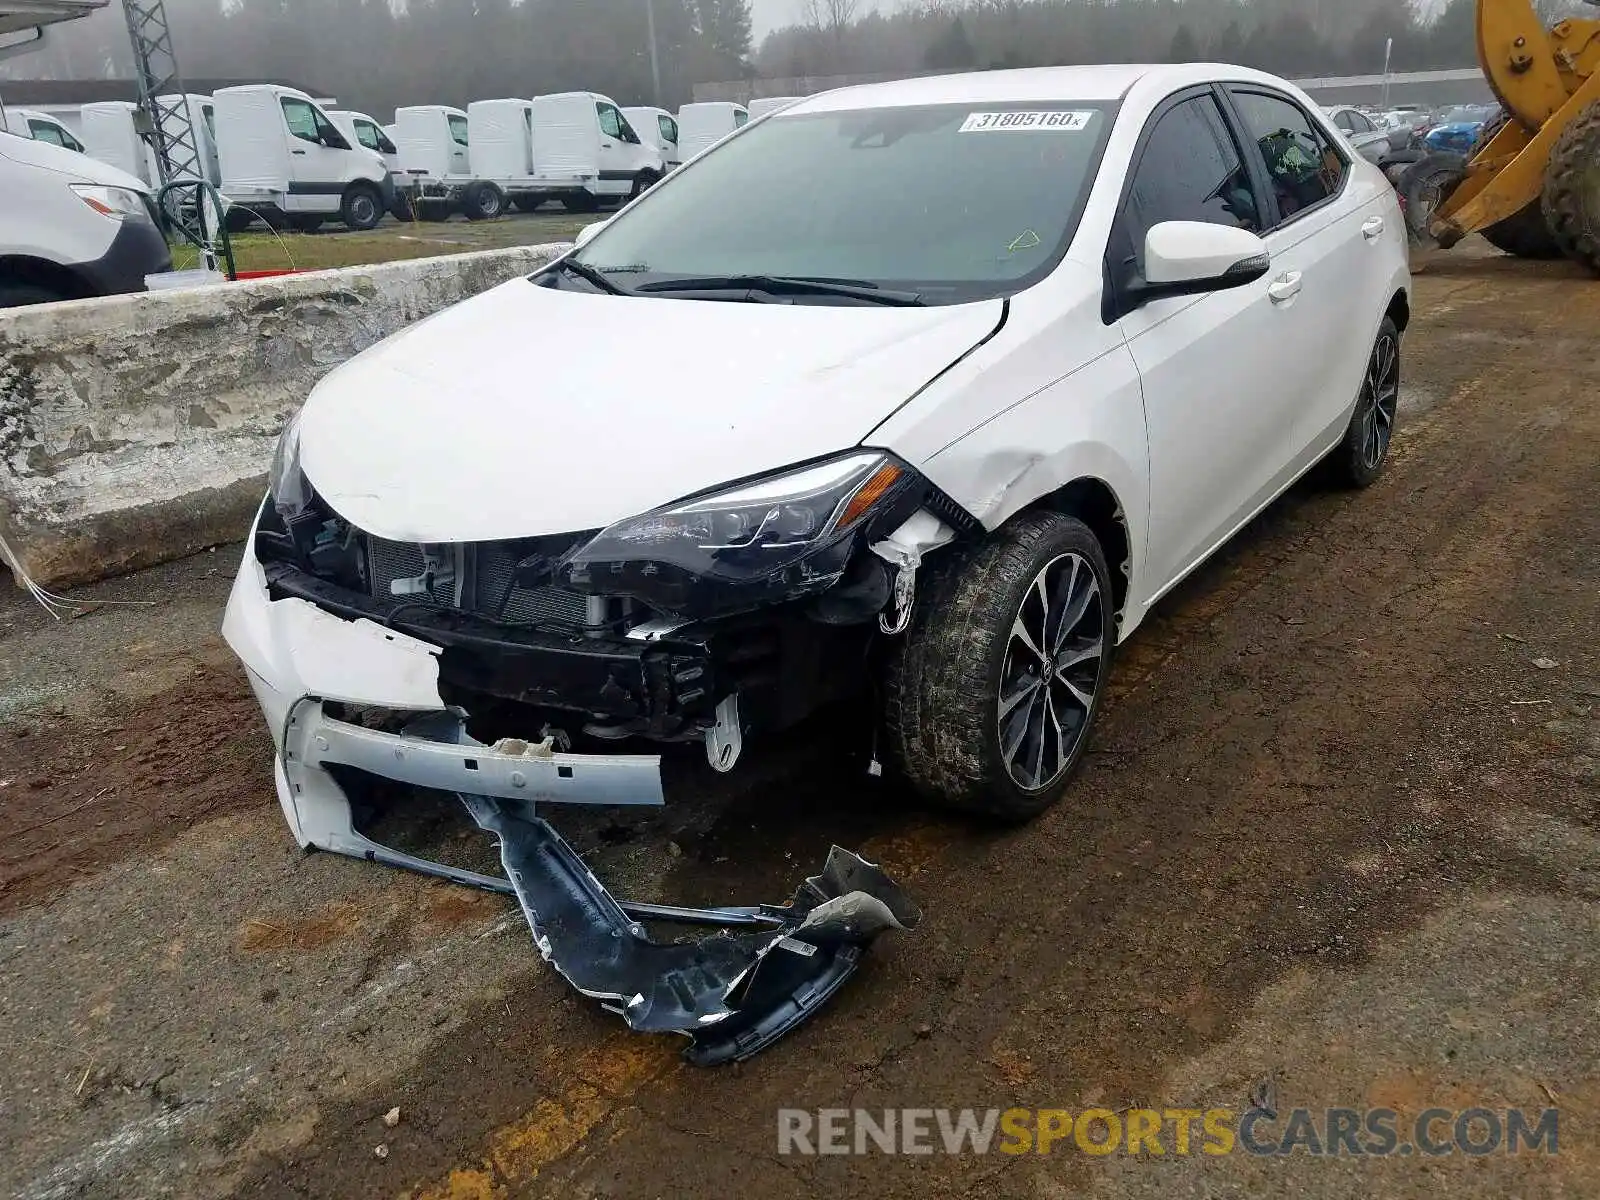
[(1217, 371), (1323, 248)]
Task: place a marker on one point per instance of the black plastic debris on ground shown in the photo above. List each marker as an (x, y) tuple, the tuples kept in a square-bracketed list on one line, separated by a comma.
[(732, 993)]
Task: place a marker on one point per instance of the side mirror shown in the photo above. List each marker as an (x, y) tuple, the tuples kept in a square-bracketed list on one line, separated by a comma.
[(586, 234), (1191, 258)]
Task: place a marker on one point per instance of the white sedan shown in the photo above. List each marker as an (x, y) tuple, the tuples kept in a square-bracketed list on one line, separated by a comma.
[(909, 400)]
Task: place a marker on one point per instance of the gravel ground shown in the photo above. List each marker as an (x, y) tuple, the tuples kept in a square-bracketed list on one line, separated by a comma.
[(1337, 836)]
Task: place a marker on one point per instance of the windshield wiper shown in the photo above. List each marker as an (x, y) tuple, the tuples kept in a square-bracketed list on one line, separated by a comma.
[(786, 285), (589, 275)]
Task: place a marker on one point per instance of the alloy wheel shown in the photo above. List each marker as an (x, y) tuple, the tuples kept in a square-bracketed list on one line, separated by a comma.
[(1380, 400), (1051, 674)]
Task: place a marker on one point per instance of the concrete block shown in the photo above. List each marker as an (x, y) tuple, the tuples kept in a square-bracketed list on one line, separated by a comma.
[(137, 429)]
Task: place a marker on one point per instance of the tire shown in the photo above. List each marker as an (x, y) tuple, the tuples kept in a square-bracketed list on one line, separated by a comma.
[(1359, 460), (305, 223), (949, 674), (238, 220), (581, 202), (642, 183), (1525, 234), (483, 202), (18, 295), (527, 204), (401, 209), (1426, 184), (361, 209), (1572, 189), (432, 211)]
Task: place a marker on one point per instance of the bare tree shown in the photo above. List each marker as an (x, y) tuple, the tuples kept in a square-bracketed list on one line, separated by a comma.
[(834, 16)]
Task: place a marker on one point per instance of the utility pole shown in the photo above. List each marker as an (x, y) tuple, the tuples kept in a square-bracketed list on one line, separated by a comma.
[(655, 58)]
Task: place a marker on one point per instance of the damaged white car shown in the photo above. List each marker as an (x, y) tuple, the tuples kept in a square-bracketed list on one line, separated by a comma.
[(922, 392)]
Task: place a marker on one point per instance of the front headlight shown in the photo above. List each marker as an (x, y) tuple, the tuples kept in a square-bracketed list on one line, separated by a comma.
[(756, 543), (122, 204), (291, 494)]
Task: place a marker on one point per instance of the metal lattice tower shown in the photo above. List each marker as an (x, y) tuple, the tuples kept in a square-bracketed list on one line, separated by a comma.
[(162, 95)]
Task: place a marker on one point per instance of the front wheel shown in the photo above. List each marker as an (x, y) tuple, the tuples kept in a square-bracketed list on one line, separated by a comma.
[(362, 209), (1572, 189), (1358, 460), (1427, 184), (993, 690)]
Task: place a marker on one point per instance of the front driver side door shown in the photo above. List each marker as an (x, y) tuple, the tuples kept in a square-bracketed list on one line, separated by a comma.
[(1217, 370), (315, 183)]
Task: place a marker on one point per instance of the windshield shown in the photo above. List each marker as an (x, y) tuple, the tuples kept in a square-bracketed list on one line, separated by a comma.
[(954, 202)]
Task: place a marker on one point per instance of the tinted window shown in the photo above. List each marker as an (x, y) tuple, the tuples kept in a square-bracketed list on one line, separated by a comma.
[(367, 134), (458, 130), (1189, 170), (302, 119), (741, 118), (1303, 165), (899, 196), (1345, 121), (669, 130), (209, 112), (1359, 123), (610, 120)]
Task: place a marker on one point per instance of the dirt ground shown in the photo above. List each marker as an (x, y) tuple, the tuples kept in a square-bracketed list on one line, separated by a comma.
[(1337, 835)]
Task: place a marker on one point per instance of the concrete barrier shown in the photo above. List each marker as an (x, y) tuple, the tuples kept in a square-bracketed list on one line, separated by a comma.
[(137, 429)]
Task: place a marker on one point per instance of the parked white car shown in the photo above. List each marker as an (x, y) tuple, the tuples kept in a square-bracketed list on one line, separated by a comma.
[(911, 440), (42, 127)]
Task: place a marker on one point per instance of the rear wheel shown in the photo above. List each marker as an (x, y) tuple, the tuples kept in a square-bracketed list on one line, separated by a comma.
[(527, 204), (238, 219), (362, 209), (400, 210), (1358, 460), (580, 202), (1572, 189), (432, 211), (304, 223), (993, 690), (483, 202)]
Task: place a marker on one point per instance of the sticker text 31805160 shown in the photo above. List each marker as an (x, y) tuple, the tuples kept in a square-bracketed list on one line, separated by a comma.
[(1057, 121)]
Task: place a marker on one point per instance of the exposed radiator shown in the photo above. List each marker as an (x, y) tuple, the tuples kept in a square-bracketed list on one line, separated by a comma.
[(483, 584)]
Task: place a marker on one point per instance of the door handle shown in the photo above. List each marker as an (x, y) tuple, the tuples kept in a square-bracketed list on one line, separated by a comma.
[(301, 153), (606, 146), (1373, 229), (1286, 287)]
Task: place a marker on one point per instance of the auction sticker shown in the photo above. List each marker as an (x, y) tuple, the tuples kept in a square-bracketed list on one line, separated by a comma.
[(1026, 122)]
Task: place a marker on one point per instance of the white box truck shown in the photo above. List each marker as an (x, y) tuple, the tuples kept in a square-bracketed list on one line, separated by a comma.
[(111, 134), (703, 125), (771, 104), (284, 160), (658, 128), (42, 127), (575, 147)]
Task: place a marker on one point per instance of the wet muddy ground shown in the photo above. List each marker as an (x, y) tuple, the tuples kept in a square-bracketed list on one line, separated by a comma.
[(1337, 833)]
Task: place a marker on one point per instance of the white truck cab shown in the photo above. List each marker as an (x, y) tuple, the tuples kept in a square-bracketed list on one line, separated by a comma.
[(703, 125), (70, 226), (283, 158), (585, 135), (659, 128), (433, 140), (42, 127), (363, 130), (203, 119), (771, 104)]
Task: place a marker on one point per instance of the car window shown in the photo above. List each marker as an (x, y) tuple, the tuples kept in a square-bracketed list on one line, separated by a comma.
[(610, 120), (209, 113), (458, 130), (1303, 164), (669, 130), (367, 134), (1189, 170), (1345, 121), (302, 119), (1359, 123), (741, 118), (43, 131)]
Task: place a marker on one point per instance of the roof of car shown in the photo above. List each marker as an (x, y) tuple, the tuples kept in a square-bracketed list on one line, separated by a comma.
[(1085, 83)]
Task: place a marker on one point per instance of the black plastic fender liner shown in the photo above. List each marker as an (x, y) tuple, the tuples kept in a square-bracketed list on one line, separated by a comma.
[(732, 994)]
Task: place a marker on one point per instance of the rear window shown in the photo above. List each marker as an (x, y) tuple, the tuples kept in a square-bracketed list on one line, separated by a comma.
[(961, 202)]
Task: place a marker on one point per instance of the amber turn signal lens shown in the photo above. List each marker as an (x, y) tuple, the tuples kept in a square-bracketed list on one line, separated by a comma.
[(884, 478)]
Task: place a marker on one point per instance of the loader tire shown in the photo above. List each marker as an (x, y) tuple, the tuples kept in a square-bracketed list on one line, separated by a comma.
[(1525, 234), (1426, 184), (1572, 189), (959, 678)]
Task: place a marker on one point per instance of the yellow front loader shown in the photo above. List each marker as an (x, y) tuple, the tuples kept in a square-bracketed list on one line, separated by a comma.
[(1532, 186)]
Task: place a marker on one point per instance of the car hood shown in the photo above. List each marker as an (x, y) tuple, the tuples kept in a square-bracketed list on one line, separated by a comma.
[(78, 168), (527, 411)]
